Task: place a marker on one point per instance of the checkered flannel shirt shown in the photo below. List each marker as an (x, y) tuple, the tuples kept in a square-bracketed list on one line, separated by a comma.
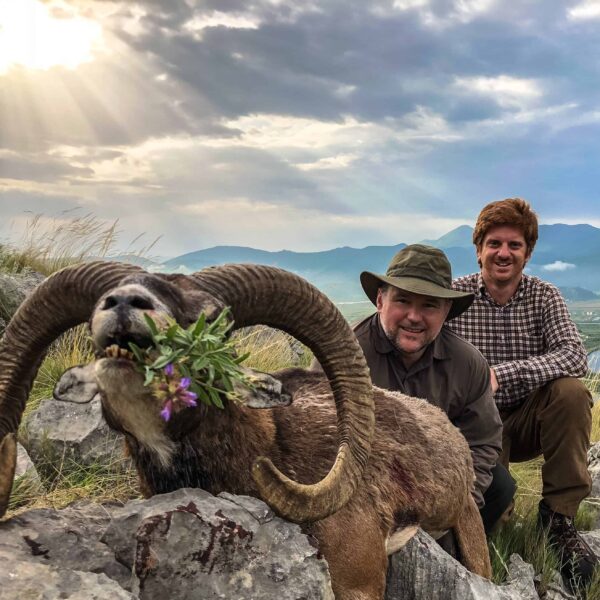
[(529, 341)]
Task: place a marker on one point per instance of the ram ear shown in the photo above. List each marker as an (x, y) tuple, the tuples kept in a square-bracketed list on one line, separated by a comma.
[(77, 384), (264, 391)]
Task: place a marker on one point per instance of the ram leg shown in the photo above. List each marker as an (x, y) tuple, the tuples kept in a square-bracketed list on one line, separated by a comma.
[(472, 542), (8, 464), (355, 551)]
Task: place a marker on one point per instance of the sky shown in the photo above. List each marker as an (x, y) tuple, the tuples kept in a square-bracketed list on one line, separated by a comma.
[(280, 124)]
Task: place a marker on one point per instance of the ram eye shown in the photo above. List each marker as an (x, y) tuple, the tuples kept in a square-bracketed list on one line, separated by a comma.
[(141, 303)]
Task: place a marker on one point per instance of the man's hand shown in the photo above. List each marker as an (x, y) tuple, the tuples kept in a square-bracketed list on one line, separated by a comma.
[(493, 381)]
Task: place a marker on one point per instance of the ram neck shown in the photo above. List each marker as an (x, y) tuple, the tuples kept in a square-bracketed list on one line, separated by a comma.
[(217, 456)]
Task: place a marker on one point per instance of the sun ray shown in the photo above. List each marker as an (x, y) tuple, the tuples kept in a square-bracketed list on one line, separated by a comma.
[(35, 35)]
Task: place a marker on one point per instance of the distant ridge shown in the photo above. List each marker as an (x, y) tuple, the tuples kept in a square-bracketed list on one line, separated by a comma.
[(566, 255)]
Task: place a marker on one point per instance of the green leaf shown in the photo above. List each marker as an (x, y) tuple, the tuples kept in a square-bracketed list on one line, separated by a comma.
[(198, 328), (171, 331), (215, 398), (149, 376), (137, 352), (151, 324), (161, 361)]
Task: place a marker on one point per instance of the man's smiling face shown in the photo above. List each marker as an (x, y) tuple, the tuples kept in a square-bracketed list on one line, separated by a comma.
[(411, 321), (502, 256)]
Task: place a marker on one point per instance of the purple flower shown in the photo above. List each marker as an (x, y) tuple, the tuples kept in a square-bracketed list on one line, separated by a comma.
[(165, 413), (174, 393)]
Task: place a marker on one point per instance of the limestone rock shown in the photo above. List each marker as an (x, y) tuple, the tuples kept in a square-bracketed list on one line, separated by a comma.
[(36, 581), (26, 475), (14, 289), (63, 539), (423, 571), (594, 469), (74, 431), (189, 544)]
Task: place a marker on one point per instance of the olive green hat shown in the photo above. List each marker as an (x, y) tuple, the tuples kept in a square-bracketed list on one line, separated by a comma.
[(421, 270)]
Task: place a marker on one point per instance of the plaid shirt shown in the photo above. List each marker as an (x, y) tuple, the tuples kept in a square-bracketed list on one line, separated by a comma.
[(529, 341)]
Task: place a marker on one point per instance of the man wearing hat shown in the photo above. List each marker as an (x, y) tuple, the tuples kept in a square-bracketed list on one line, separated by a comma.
[(408, 349)]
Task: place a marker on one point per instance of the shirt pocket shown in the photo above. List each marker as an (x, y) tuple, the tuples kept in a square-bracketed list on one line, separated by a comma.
[(529, 344)]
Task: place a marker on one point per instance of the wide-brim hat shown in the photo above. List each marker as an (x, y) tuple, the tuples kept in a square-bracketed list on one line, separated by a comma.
[(421, 270)]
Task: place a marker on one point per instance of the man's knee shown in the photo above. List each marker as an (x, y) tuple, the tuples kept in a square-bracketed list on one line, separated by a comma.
[(571, 395)]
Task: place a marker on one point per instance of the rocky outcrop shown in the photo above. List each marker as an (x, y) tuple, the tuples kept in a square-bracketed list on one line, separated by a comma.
[(75, 431), (423, 571), (183, 545), (26, 475), (594, 468)]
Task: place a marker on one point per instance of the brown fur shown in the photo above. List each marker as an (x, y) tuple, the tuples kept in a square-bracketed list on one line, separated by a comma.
[(416, 470), (419, 472)]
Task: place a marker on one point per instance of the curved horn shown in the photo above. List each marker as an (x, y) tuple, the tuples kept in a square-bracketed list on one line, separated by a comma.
[(62, 301), (270, 296)]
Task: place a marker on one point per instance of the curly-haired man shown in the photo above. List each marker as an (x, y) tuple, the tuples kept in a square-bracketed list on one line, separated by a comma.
[(523, 328)]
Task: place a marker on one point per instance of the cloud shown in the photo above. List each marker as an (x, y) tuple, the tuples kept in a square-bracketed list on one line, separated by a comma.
[(558, 265), (341, 111), (505, 90), (586, 10)]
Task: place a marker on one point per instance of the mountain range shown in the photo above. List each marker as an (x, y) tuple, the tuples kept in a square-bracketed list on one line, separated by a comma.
[(566, 255)]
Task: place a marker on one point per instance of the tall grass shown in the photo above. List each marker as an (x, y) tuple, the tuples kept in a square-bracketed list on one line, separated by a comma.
[(271, 349), (49, 245)]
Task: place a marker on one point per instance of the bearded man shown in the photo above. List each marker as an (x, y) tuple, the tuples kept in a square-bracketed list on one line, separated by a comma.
[(408, 349)]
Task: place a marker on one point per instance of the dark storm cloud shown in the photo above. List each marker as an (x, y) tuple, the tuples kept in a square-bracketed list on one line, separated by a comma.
[(388, 62)]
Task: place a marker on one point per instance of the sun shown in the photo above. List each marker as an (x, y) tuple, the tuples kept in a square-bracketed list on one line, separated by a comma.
[(38, 35)]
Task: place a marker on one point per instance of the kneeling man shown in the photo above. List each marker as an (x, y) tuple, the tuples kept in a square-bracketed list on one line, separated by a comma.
[(408, 349)]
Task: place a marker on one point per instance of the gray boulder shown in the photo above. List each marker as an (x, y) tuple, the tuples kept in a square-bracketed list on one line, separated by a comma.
[(77, 432), (36, 581), (14, 289), (423, 571), (65, 539), (26, 476), (594, 468), (183, 545), (189, 544)]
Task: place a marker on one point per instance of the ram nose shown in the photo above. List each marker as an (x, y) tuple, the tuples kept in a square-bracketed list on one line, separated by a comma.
[(119, 321)]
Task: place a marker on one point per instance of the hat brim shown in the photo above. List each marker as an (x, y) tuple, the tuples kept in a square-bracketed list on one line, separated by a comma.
[(371, 282)]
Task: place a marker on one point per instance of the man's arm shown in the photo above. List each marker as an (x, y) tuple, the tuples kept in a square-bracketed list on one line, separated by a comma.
[(481, 425), (565, 354)]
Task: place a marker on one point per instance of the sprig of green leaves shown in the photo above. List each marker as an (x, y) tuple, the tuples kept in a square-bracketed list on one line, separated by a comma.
[(201, 352)]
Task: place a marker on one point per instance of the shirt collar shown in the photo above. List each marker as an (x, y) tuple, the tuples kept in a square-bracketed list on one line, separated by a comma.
[(481, 291)]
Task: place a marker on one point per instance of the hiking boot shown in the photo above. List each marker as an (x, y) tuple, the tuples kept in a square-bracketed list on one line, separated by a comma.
[(577, 559)]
